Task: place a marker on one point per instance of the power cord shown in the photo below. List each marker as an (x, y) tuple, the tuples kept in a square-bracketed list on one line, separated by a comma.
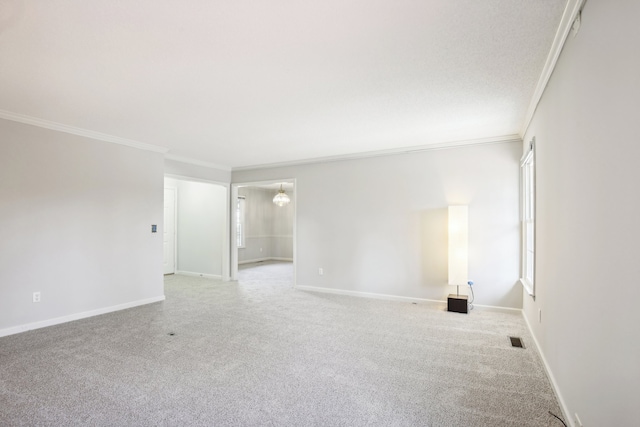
[(561, 420), (473, 296)]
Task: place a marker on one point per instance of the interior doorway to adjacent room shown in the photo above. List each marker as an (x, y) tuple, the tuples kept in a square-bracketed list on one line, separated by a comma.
[(196, 241), (263, 232)]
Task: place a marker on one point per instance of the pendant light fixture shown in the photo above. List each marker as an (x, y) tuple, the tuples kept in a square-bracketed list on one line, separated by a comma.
[(281, 199)]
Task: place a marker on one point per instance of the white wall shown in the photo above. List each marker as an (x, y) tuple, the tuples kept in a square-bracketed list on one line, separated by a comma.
[(268, 227), (201, 216), (282, 227), (588, 201), (379, 225), (76, 218), (189, 170)]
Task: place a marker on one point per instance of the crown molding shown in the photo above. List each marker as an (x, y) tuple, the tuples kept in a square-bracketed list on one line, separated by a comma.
[(390, 152), (570, 14), (47, 124), (195, 162)]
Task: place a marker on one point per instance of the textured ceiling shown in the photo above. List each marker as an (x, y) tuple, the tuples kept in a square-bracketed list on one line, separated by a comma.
[(241, 83)]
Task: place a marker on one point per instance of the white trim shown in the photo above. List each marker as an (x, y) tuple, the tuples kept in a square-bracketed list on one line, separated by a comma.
[(366, 294), (194, 274), (249, 261), (552, 379), (240, 211), (394, 297), (175, 228), (389, 152), (527, 163), (265, 182), (47, 124), (497, 307), (226, 236), (192, 179), (77, 316), (526, 157), (570, 14), (196, 162), (233, 240), (295, 233), (528, 287), (269, 236)]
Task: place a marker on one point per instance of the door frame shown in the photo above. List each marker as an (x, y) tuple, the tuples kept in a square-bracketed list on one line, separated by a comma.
[(175, 228), (226, 276), (232, 234)]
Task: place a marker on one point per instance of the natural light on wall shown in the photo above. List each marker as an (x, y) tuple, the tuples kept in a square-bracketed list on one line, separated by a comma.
[(458, 245)]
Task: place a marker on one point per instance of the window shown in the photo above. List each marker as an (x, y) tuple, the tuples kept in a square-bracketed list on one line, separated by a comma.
[(240, 231), (527, 217)]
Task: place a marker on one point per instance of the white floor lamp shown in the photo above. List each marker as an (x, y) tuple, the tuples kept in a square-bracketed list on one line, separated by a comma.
[(458, 257)]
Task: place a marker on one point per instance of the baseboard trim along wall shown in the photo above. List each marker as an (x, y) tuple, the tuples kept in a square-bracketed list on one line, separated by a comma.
[(77, 316), (249, 261), (568, 419), (193, 274), (396, 297), (366, 294), (499, 308)]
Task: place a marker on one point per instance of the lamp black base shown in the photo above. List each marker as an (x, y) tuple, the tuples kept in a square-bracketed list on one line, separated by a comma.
[(457, 303)]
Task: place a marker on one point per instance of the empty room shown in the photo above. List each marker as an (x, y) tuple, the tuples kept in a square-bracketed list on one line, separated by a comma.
[(305, 213)]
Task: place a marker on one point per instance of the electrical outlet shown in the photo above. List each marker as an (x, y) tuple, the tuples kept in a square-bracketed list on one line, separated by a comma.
[(260, 249), (321, 271), (36, 297), (577, 420), (539, 315)]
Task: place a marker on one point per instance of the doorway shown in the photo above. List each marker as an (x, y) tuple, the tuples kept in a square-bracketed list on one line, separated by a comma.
[(201, 220), (263, 232), (169, 230)]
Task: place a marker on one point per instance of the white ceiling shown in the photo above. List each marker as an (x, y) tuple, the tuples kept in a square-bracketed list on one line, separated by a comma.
[(242, 83)]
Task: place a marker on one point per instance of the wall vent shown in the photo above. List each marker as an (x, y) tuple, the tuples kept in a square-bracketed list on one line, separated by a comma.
[(516, 342)]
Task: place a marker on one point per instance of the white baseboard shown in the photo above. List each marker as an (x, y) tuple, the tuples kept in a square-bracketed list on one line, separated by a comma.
[(366, 294), (567, 418), (395, 297), (193, 274), (77, 316), (251, 261), (499, 308)]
